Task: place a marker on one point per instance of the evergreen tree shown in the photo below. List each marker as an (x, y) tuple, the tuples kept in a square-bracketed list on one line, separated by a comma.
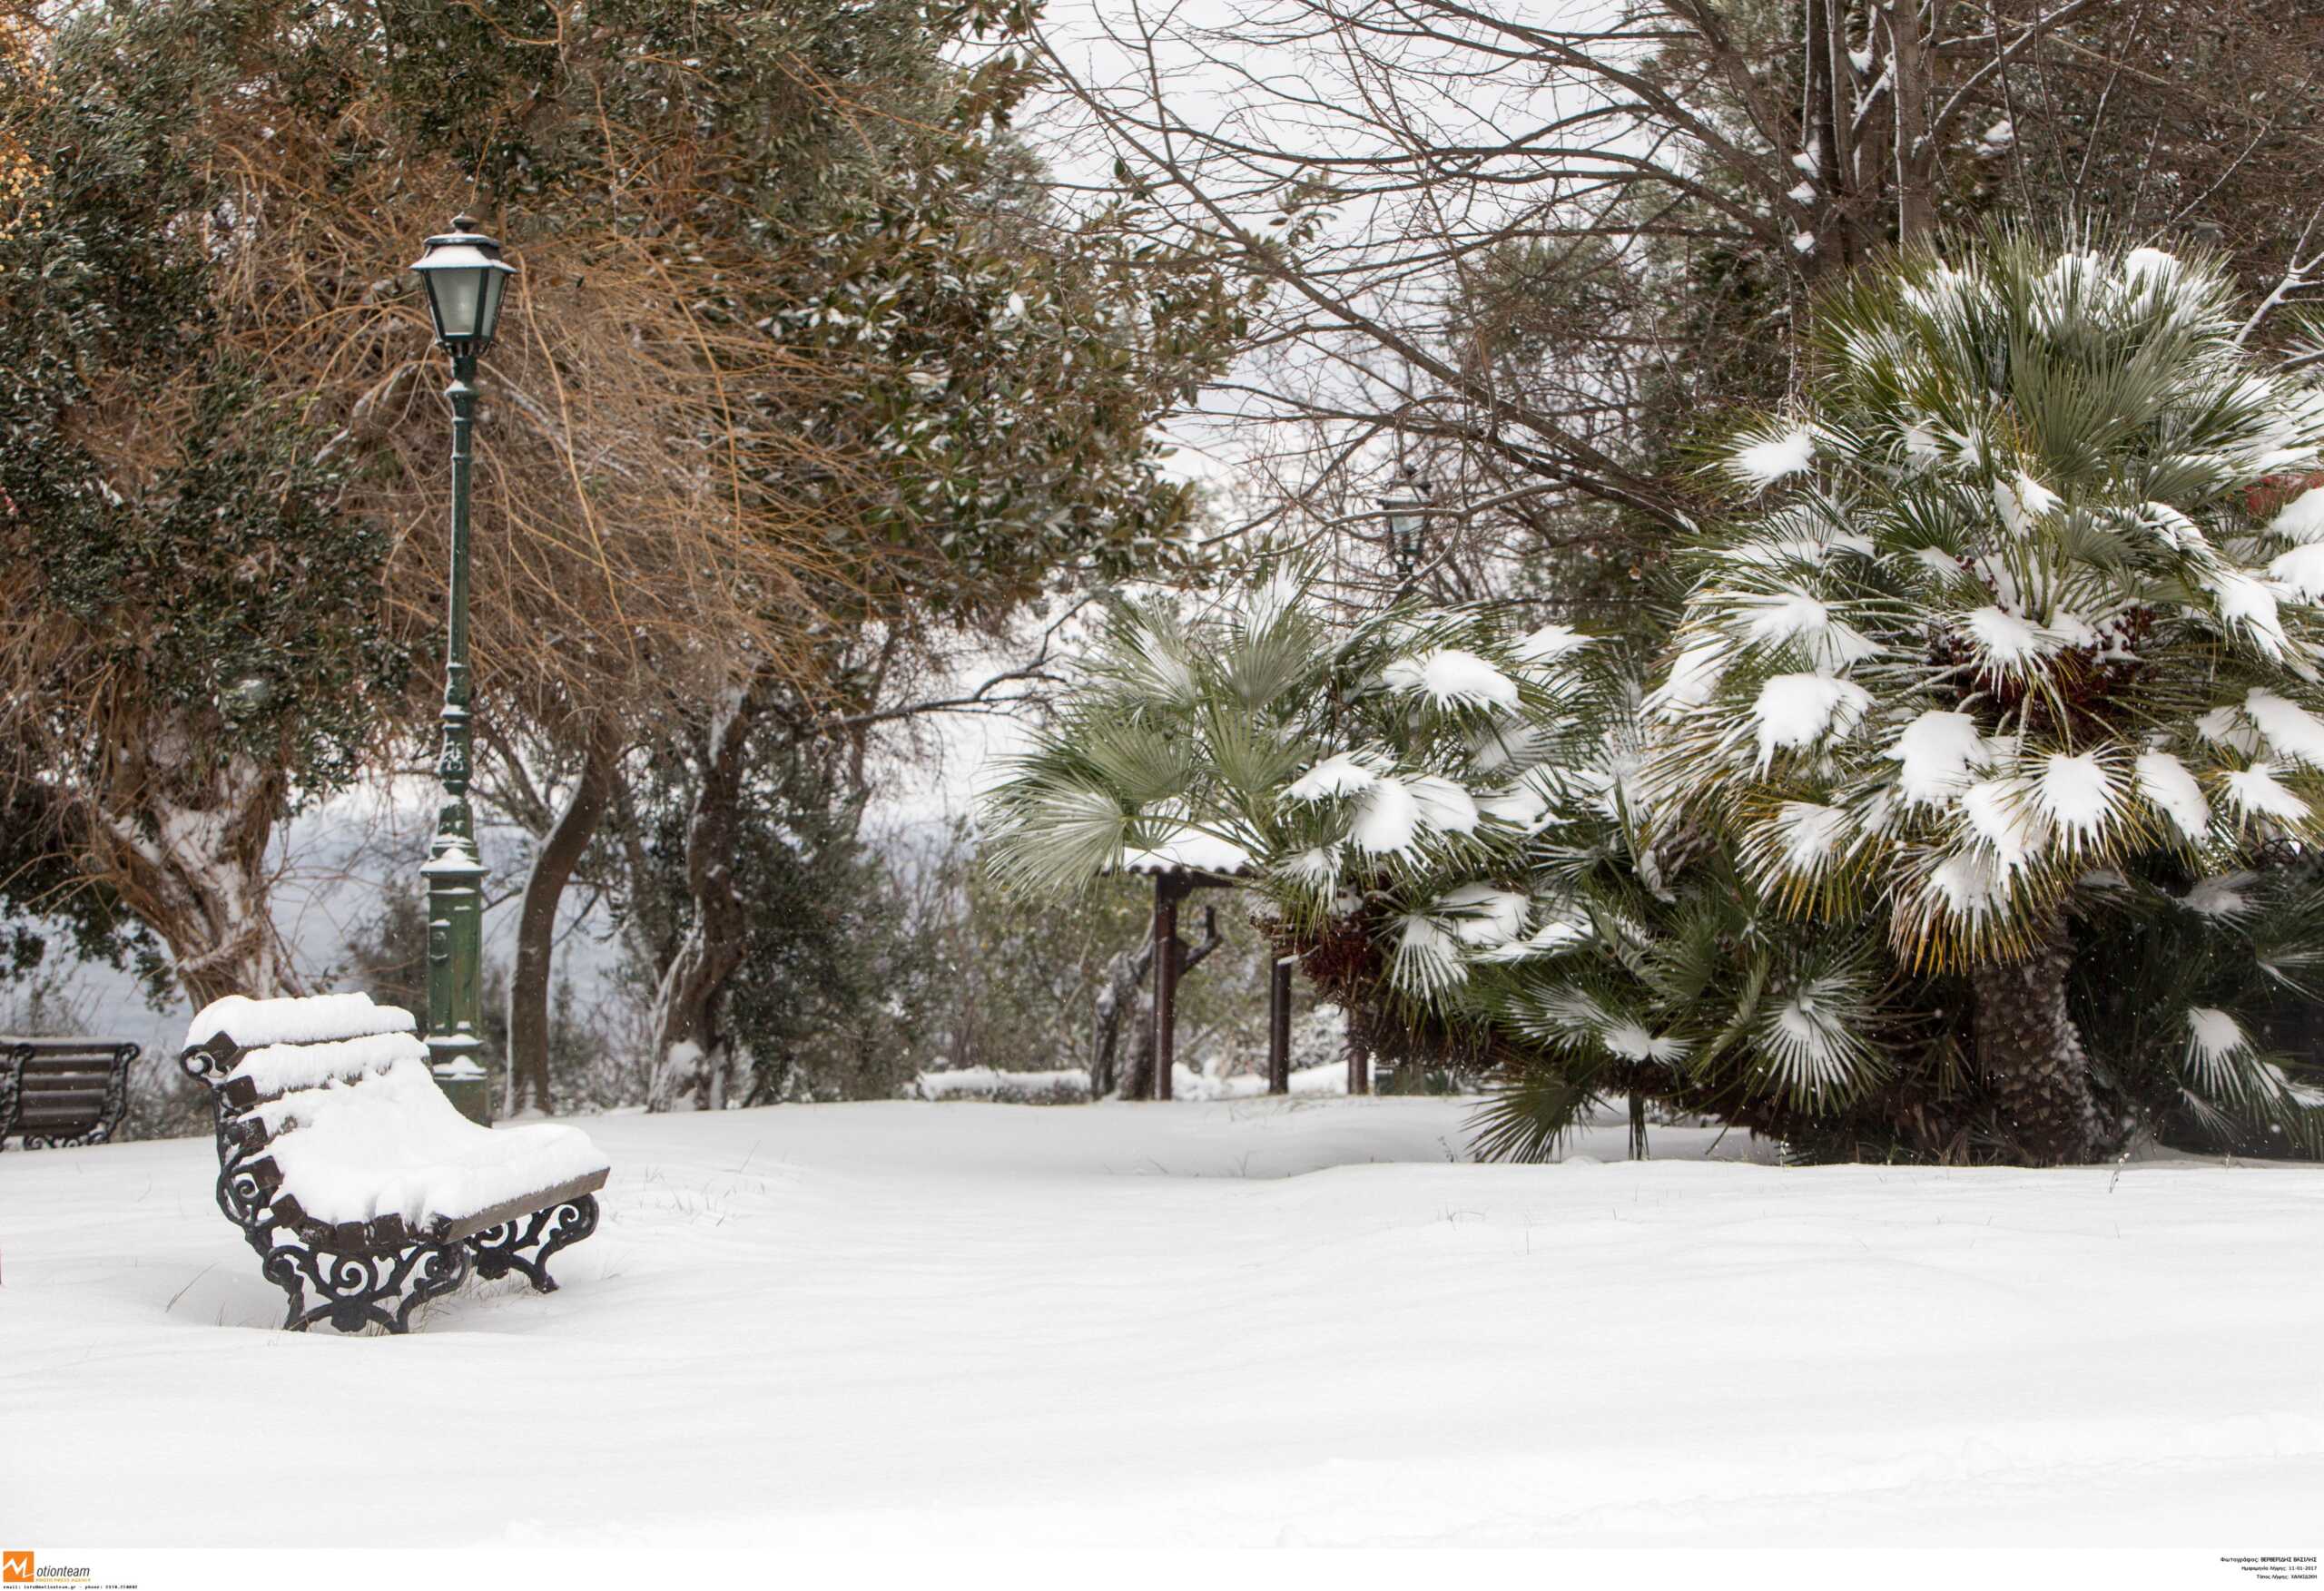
[(200, 644)]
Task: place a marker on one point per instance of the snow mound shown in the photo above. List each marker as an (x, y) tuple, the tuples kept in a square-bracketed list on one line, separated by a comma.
[(1188, 849), (1767, 459), (1339, 774), (2164, 780), (992, 1086), (2288, 727), (1937, 751), (1550, 643), (2257, 793)]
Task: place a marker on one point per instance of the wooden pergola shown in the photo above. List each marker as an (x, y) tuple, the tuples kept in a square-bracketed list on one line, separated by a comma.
[(1181, 865)]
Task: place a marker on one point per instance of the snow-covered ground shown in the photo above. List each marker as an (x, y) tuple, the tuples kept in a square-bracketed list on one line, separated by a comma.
[(1241, 1322)]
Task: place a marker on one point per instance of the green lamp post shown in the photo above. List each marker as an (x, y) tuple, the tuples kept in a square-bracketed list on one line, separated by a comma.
[(466, 280)]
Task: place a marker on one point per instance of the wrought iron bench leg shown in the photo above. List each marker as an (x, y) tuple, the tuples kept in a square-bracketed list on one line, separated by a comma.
[(356, 1290), (502, 1249)]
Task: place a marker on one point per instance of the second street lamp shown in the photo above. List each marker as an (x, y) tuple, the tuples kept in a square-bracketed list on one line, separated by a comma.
[(1406, 510), (466, 280)]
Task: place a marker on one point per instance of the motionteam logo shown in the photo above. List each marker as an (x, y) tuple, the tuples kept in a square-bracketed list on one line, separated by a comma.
[(16, 1568)]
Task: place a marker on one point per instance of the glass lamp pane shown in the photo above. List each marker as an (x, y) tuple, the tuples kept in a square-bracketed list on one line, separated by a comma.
[(455, 294), (495, 283)]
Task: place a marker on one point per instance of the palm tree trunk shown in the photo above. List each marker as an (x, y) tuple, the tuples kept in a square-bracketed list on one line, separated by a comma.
[(2031, 1057)]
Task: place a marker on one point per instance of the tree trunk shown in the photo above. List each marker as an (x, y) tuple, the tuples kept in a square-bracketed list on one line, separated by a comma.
[(2031, 1057), (1910, 57), (688, 1047), (561, 851), (190, 862), (1117, 1002), (1116, 998), (1138, 1077), (1822, 138)]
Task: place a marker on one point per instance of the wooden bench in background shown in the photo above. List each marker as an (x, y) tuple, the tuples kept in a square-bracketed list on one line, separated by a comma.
[(354, 1179), (62, 1093)]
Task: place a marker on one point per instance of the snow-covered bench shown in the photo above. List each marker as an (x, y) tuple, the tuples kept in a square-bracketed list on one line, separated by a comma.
[(61, 1093), (351, 1175)]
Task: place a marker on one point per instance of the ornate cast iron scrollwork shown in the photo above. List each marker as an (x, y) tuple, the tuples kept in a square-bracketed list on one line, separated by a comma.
[(501, 1249), (12, 1071), (354, 1290)]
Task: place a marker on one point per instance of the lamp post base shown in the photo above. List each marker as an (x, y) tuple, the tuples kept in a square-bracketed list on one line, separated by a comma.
[(452, 1060), (466, 1085), (455, 957)]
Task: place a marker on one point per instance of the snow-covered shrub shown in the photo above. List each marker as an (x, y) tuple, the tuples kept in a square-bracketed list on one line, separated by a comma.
[(2018, 648), (1380, 771), (987, 1082)]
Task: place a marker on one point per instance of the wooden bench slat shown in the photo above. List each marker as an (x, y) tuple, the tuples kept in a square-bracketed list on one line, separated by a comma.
[(57, 1097), (547, 1198), (58, 1045), (31, 1118)]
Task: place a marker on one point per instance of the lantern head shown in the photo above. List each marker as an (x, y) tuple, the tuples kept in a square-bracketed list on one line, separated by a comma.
[(1406, 509), (466, 280)]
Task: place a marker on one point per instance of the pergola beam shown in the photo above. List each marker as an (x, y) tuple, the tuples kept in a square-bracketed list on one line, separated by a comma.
[(1279, 1025), (1169, 952)]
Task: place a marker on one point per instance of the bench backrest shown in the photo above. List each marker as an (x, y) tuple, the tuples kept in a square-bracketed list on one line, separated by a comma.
[(263, 1059), (53, 1089), (253, 1052), (224, 1031)]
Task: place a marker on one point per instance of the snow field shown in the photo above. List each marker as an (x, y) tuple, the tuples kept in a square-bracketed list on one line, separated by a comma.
[(1199, 1324)]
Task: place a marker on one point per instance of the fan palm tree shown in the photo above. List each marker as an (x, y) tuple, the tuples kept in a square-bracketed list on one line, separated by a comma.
[(2017, 647)]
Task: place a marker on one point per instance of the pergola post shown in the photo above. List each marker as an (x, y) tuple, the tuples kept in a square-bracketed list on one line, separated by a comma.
[(1169, 888), (1279, 1026)]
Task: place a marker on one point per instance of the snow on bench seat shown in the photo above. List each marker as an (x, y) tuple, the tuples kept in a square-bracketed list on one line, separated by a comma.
[(388, 1142)]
